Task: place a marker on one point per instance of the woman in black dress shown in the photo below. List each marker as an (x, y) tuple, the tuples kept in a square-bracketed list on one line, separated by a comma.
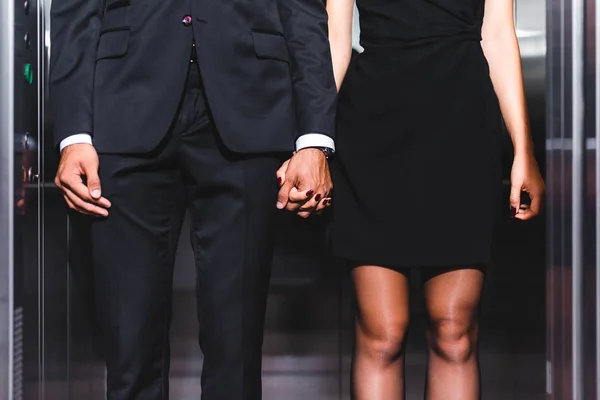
[(417, 180)]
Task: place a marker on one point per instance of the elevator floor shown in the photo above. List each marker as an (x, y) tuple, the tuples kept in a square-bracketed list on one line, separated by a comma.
[(308, 334), (302, 363), (311, 359)]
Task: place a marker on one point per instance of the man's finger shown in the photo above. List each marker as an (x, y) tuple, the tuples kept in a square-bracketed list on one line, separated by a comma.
[(304, 214), (57, 181), (93, 181), (74, 208), (94, 186), (77, 187), (83, 206), (69, 202)]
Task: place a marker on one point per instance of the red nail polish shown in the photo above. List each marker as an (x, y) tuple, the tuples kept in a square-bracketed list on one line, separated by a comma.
[(318, 198), (310, 193), (279, 180), (513, 211)]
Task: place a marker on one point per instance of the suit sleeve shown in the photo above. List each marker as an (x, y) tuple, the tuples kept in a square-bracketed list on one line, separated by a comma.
[(305, 29), (74, 33)]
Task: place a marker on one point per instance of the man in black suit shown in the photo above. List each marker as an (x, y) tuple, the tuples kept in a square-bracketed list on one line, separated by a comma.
[(160, 105)]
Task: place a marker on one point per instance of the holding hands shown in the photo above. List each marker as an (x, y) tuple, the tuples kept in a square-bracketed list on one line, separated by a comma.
[(305, 183)]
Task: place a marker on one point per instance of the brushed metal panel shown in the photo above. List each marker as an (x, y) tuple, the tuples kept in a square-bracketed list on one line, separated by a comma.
[(6, 197)]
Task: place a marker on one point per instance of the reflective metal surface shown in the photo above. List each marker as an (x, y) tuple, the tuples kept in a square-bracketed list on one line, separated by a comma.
[(596, 203), (573, 202), (6, 198), (46, 349), (24, 193), (588, 313)]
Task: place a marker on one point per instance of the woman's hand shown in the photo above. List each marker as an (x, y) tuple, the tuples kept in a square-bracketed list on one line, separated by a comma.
[(526, 177), (298, 200)]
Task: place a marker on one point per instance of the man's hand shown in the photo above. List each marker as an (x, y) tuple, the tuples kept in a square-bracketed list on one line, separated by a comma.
[(77, 161), (305, 183)]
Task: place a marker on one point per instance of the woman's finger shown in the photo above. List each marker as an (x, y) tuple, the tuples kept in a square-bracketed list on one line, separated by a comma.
[(536, 202), (525, 214), (326, 202), (281, 173), (301, 197), (308, 207), (515, 199)]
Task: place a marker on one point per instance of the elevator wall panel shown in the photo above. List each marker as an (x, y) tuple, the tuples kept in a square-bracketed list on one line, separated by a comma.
[(6, 196), (27, 371), (573, 165)]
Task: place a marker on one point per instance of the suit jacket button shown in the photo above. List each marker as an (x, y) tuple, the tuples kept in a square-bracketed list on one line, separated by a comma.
[(186, 20)]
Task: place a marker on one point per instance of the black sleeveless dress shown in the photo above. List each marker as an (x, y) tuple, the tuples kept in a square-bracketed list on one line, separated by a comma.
[(417, 172)]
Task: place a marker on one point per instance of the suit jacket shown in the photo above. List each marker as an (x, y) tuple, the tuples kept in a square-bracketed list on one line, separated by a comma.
[(118, 70)]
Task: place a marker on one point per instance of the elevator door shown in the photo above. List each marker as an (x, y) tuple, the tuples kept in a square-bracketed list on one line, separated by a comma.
[(20, 196), (45, 342), (573, 275)]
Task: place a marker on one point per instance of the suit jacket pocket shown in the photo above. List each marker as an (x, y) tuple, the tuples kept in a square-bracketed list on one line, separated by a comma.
[(115, 18), (114, 4), (113, 44), (270, 46)]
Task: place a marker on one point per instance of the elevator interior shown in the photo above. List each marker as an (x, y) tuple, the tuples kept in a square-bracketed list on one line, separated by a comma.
[(529, 314)]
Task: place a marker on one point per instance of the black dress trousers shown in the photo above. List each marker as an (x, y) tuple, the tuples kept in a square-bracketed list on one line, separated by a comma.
[(232, 201)]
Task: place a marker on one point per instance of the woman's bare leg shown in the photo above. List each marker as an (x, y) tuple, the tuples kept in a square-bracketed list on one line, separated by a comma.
[(381, 327), (452, 299)]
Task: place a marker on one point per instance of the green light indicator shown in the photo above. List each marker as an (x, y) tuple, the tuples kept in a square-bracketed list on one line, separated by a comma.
[(28, 73)]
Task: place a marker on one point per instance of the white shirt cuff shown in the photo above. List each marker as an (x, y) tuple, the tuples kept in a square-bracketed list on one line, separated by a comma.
[(76, 139), (314, 140)]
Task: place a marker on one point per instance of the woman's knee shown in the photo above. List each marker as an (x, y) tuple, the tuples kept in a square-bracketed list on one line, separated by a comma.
[(383, 344), (452, 340)]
